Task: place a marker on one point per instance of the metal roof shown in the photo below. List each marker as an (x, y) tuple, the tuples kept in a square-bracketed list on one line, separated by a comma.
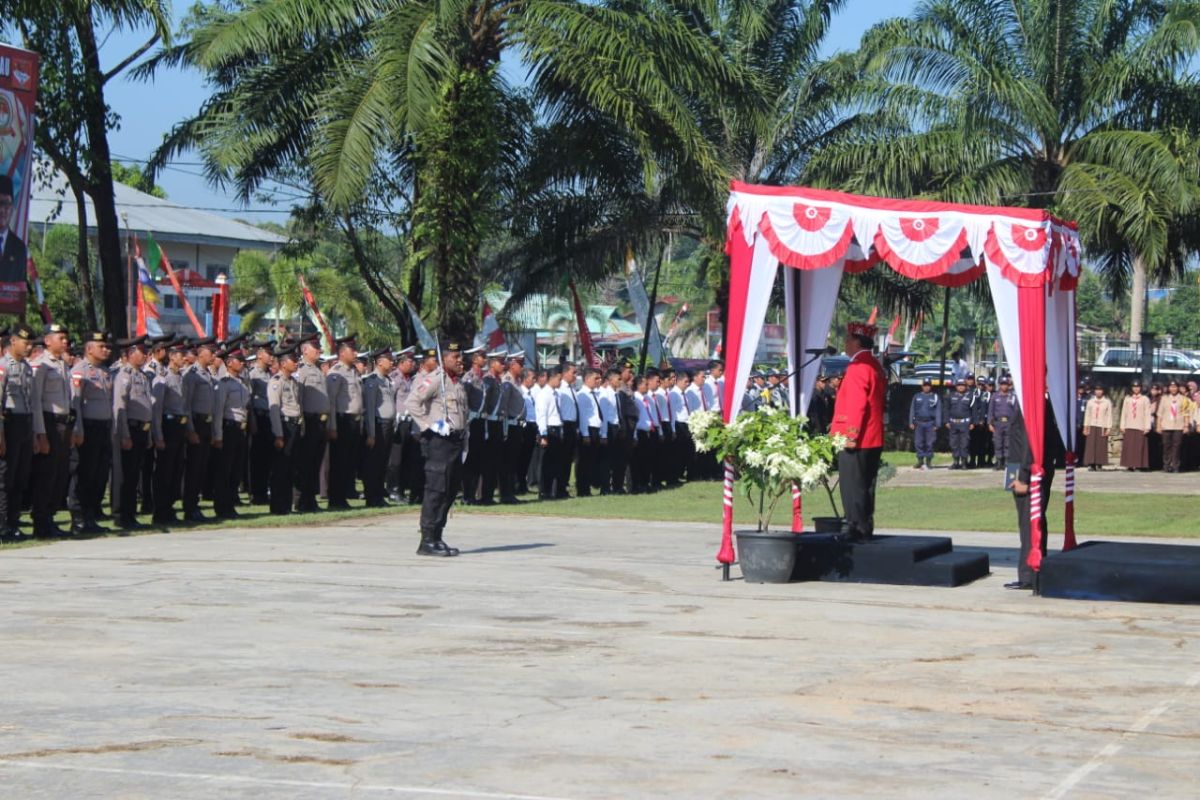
[(145, 213)]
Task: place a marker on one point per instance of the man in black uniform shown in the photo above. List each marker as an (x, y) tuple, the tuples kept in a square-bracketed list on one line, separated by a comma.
[(960, 414), (1021, 454)]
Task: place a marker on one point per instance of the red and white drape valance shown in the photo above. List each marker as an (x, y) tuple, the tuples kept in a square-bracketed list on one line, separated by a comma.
[(946, 244)]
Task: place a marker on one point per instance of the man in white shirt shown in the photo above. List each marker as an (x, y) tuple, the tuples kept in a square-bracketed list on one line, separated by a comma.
[(612, 472), (659, 383), (568, 408), (531, 454), (713, 386), (593, 435), (550, 436), (685, 449), (645, 449)]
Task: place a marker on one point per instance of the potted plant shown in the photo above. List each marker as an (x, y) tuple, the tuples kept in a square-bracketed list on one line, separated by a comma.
[(770, 450)]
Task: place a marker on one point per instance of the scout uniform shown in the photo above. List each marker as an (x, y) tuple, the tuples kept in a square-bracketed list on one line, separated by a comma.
[(17, 408), (344, 386), (230, 435), (1135, 424), (437, 405), (1098, 421), (924, 418), (1173, 413), (53, 419), (92, 390), (132, 410), (286, 413)]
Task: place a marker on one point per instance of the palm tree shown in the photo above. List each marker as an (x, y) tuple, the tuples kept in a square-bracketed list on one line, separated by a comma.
[(1056, 104), (406, 94)]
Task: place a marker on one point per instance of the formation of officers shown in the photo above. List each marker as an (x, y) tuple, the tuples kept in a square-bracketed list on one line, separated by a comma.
[(162, 425), (977, 416)]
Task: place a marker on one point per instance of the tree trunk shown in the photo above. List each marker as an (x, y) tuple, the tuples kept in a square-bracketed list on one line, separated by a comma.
[(83, 260), (100, 183), (1137, 299)]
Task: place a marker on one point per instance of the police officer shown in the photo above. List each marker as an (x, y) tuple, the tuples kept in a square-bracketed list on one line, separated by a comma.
[(1001, 411), (960, 416), (156, 366), (477, 397), (379, 409), (16, 432), (199, 394), (169, 431), (52, 428), (492, 447), (132, 411), (344, 386), (924, 419), (91, 458), (286, 413), (981, 435), (405, 469), (437, 405), (262, 439), (319, 425), (231, 429), (511, 411)]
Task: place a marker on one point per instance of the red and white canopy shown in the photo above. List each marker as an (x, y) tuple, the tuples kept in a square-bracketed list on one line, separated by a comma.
[(1030, 258)]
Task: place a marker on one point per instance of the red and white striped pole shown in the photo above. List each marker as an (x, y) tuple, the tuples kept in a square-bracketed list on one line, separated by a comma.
[(1069, 542), (726, 555), (221, 309), (797, 513)]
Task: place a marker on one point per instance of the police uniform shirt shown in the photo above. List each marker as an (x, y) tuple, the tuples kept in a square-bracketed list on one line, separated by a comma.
[(926, 407), (92, 390), (283, 402), (568, 406), (314, 393), (199, 394), (402, 385), (52, 388), (425, 401), (131, 399), (1002, 408), (259, 378), (960, 408), (16, 384), (379, 401), (232, 404), (512, 403), (345, 390), (589, 412), (167, 392), (549, 410), (679, 408)]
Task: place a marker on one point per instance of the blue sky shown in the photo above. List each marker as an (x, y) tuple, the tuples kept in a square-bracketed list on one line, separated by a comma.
[(149, 110)]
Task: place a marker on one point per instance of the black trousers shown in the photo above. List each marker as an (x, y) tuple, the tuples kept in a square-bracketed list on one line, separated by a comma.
[(50, 472), (131, 468), (492, 460), (472, 467), (566, 458), (284, 468), (1025, 573), (685, 452), (168, 469), (16, 468), (857, 469), (343, 458), (195, 472), (443, 470), (229, 459), (309, 452), (375, 462), (262, 453), (147, 481), (512, 465), (587, 457), (550, 469), (617, 460), (643, 461), (90, 465)]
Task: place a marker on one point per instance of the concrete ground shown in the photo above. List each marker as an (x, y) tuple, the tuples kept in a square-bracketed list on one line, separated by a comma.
[(566, 659)]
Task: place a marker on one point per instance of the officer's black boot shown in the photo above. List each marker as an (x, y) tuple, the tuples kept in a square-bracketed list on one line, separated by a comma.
[(443, 548), (428, 546)]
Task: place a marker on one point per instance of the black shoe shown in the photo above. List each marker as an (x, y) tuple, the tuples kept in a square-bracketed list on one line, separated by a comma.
[(50, 531), (195, 515), (510, 501), (444, 548), (429, 547), (338, 506), (129, 524), (260, 501), (228, 514), (1019, 585)]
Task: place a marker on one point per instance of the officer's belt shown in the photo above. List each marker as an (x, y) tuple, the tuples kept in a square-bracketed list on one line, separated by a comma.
[(240, 425), (353, 417), (138, 424), (181, 419), (961, 419), (205, 418), (59, 419), (294, 420), (554, 430), (17, 415), (97, 421), (324, 417), (1001, 419), (926, 419)]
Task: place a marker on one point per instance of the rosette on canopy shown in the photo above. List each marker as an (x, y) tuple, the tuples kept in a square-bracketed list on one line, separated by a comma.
[(1030, 257)]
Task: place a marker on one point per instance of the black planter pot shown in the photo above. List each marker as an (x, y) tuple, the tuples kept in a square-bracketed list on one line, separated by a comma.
[(827, 524), (766, 557)]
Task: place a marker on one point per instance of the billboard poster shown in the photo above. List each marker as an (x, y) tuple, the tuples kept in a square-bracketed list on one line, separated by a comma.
[(18, 94)]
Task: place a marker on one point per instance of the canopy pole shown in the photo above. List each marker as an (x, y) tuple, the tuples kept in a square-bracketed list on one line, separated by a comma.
[(945, 335)]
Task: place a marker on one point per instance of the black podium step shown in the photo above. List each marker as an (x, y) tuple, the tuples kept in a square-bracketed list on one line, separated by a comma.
[(1132, 571), (914, 560)]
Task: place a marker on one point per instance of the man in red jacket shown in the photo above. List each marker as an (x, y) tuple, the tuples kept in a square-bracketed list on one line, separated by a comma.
[(858, 416)]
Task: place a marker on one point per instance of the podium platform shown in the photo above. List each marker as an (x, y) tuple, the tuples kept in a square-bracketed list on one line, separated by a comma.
[(911, 560), (1130, 571)]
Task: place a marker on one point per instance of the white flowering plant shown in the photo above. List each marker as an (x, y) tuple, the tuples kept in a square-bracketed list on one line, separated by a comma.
[(771, 450)]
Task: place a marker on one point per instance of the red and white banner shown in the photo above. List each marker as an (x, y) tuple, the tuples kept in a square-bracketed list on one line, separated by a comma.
[(18, 96)]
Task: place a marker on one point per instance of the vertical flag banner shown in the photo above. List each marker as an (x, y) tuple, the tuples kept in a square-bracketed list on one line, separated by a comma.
[(18, 94), (147, 294), (641, 306), (423, 335), (585, 335), (36, 282), (490, 335), (312, 304), (156, 257)]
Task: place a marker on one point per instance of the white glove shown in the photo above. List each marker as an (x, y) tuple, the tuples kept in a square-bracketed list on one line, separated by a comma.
[(441, 427)]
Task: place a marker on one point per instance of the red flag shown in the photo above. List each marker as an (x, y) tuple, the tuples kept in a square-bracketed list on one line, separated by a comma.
[(312, 303), (491, 336), (585, 336), (874, 314)]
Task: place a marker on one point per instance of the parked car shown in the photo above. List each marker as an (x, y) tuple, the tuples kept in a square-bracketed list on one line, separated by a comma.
[(834, 365), (1117, 366)]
